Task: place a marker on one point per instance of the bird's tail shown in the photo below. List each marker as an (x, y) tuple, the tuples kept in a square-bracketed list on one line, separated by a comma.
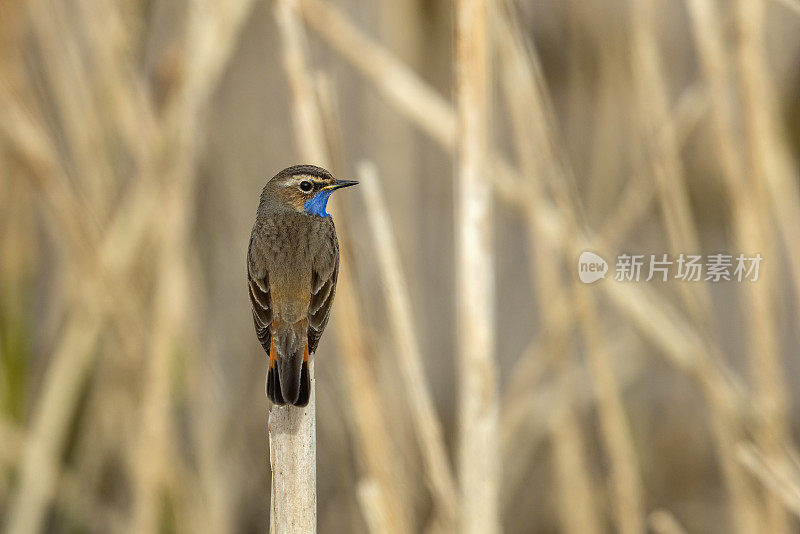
[(288, 379)]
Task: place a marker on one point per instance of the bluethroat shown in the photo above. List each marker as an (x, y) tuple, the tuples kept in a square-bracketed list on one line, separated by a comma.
[(292, 266)]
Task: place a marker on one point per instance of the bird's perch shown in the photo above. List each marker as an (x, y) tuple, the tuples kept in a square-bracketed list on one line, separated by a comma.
[(292, 430), (293, 461)]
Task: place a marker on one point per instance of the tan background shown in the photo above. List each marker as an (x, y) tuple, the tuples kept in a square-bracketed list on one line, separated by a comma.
[(135, 138)]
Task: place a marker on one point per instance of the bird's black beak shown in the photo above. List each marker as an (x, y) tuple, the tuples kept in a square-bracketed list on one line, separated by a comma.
[(338, 184)]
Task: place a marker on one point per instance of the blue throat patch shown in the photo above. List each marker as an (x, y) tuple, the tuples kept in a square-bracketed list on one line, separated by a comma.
[(316, 205)]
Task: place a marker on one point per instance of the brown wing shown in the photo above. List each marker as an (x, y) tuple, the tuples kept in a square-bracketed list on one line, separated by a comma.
[(260, 300), (323, 289)]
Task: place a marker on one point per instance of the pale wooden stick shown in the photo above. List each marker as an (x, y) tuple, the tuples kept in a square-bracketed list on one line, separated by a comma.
[(478, 455), (292, 458)]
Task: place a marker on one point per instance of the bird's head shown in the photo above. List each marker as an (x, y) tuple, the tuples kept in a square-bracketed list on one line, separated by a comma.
[(306, 188)]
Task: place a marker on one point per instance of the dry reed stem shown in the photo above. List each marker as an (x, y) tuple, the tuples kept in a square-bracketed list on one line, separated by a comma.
[(635, 200), (71, 92), (413, 97), (749, 215), (210, 37), (767, 172), (779, 476), (305, 113), (577, 507), (70, 218), (791, 5), (370, 499), (709, 39), (543, 217), (532, 364), (540, 420), (642, 306), (39, 466), (765, 133), (478, 402), (73, 495), (631, 207), (531, 122), (626, 482), (718, 383), (331, 25), (170, 308), (68, 368), (408, 353), (368, 428), (576, 488), (667, 168), (376, 456), (72, 359), (380, 459), (664, 522), (690, 355)]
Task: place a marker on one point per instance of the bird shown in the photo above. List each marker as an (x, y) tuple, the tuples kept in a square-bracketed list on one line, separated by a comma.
[(292, 268)]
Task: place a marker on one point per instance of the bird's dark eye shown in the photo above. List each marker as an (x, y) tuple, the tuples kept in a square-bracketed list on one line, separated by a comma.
[(306, 186)]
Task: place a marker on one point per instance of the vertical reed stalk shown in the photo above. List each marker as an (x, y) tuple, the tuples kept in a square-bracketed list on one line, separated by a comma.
[(409, 356), (766, 169), (667, 168), (626, 483), (478, 462)]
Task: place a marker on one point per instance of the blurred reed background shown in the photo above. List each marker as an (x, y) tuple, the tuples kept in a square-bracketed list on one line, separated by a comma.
[(135, 138)]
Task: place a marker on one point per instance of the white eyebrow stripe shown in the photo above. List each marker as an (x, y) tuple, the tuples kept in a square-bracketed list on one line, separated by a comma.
[(313, 179)]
